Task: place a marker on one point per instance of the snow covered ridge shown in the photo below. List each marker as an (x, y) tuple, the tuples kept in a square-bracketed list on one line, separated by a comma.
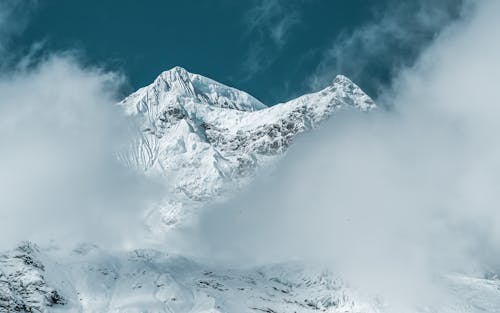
[(90, 280), (94, 281), (207, 134)]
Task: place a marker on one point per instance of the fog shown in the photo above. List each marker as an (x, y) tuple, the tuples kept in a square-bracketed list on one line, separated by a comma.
[(392, 200), (60, 133)]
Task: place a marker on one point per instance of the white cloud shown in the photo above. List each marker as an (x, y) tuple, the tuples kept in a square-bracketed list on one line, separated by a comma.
[(59, 133)]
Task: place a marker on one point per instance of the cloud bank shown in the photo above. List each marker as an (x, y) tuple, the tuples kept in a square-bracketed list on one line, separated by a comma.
[(395, 199), (60, 178)]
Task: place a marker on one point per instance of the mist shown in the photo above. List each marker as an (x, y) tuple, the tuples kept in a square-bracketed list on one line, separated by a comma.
[(60, 133), (393, 200)]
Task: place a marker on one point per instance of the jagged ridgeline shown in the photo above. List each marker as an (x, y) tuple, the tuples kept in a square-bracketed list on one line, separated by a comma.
[(207, 134)]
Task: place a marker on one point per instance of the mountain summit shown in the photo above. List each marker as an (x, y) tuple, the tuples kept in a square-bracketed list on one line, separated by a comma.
[(177, 84)]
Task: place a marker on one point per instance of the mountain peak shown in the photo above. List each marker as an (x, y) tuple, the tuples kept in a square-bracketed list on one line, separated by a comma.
[(175, 73), (351, 93), (341, 79), (177, 86), (177, 68)]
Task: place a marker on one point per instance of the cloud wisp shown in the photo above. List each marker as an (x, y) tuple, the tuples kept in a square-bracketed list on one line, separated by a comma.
[(404, 26), (270, 22), (14, 16), (60, 178), (273, 19)]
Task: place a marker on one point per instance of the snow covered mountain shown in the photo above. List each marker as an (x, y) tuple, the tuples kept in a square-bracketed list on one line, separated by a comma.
[(205, 138), (207, 134)]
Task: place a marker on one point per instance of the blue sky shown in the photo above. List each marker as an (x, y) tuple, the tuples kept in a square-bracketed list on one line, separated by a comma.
[(274, 49)]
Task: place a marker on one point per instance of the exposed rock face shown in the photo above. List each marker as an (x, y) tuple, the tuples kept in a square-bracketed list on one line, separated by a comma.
[(23, 287)]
